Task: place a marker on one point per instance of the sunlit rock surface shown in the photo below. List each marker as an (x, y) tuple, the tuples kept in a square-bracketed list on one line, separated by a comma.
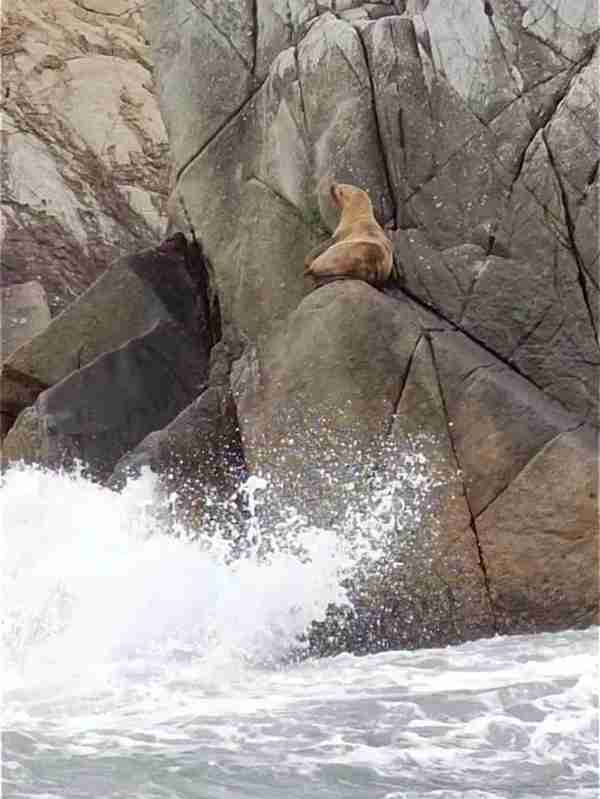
[(85, 168)]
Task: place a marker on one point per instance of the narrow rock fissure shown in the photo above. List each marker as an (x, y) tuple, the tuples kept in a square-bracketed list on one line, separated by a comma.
[(302, 105), (283, 200), (230, 118), (522, 340), (476, 369), (570, 225), (401, 388), (548, 44), (544, 446), (472, 523), (525, 96), (382, 149), (439, 167), (543, 121), (289, 22), (593, 174), (221, 33), (255, 37), (483, 345)]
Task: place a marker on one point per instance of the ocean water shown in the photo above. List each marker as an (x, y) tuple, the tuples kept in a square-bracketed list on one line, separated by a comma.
[(140, 664)]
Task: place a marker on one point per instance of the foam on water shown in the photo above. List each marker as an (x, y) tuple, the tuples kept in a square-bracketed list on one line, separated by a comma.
[(140, 664), (90, 581)]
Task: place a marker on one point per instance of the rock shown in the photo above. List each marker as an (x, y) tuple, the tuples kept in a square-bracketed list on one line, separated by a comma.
[(25, 313), (85, 172), (106, 408), (498, 419), (198, 457), (539, 539), (123, 303), (18, 391), (358, 391), (221, 38), (548, 334), (473, 126), (445, 555), (314, 93), (316, 400)]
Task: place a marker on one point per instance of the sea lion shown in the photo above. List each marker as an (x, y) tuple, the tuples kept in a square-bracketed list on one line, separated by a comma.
[(358, 248)]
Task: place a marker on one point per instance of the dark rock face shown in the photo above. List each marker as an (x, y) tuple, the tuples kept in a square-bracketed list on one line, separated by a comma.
[(124, 303), (101, 411), (198, 455)]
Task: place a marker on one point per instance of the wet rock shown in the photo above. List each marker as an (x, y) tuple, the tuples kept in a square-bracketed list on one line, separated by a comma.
[(316, 400), (198, 457)]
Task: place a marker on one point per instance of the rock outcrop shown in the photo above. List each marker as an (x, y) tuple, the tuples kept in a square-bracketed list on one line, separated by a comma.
[(353, 384), (451, 417), (473, 127), (85, 168)]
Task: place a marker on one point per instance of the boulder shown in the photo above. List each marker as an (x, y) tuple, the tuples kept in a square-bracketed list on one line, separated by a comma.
[(18, 391), (25, 313), (99, 412), (358, 393), (123, 303)]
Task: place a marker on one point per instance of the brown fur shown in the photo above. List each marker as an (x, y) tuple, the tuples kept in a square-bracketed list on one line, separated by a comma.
[(359, 248)]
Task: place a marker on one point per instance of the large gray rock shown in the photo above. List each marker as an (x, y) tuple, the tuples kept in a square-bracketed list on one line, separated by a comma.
[(539, 539), (473, 126), (358, 388), (101, 411), (316, 400), (24, 314)]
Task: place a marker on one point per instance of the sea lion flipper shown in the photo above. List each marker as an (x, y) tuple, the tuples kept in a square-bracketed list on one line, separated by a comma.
[(318, 250)]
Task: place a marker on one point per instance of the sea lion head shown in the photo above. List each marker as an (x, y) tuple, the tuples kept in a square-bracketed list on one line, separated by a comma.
[(350, 199)]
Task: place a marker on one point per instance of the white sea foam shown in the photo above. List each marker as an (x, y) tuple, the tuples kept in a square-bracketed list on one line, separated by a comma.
[(90, 580), (148, 665)]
